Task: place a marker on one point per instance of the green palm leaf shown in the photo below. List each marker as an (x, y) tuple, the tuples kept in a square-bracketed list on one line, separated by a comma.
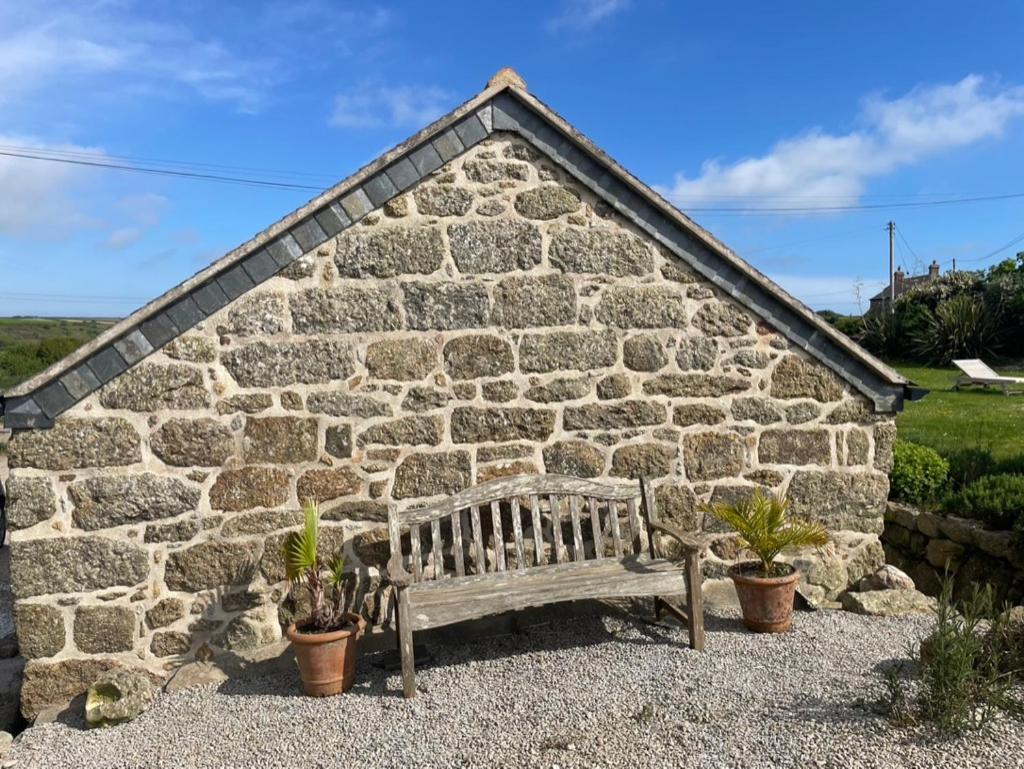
[(299, 549), (765, 526)]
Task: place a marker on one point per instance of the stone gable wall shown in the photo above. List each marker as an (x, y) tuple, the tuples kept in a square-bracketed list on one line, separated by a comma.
[(495, 320)]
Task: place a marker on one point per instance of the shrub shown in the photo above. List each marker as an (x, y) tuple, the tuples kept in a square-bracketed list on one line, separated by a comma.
[(969, 464), (919, 475), (966, 667), (996, 499), (960, 327)]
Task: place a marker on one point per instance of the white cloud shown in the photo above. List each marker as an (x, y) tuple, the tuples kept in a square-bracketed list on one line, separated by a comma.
[(818, 169), (39, 197), (61, 45), (377, 104), (144, 212), (123, 237), (585, 14)]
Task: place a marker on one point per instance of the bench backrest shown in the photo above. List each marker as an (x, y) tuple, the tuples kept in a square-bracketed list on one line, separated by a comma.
[(519, 523)]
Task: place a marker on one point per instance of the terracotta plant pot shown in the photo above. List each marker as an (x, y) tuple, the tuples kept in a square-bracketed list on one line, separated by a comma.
[(327, 661), (767, 602)]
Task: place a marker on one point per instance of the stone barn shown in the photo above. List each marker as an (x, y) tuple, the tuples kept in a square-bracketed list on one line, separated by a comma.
[(495, 296)]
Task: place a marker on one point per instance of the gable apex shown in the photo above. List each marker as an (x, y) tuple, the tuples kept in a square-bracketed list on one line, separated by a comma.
[(504, 106)]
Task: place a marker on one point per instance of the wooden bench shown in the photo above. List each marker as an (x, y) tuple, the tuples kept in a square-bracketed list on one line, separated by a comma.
[(518, 542)]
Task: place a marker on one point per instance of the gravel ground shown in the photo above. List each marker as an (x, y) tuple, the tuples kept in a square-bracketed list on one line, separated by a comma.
[(602, 691)]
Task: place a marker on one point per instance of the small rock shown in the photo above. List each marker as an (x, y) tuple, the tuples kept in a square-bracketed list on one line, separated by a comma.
[(888, 603), (886, 578), (117, 696), (195, 674), (6, 739)]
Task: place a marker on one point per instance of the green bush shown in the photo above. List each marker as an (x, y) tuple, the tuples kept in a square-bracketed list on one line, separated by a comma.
[(919, 475), (966, 667), (995, 499), (960, 327), (970, 464)]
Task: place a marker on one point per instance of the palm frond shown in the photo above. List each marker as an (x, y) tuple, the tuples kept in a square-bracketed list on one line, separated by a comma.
[(765, 526), (336, 571), (299, 549)]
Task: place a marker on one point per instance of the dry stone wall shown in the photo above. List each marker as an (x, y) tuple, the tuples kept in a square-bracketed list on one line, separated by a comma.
[(495, 320), (928, 546)]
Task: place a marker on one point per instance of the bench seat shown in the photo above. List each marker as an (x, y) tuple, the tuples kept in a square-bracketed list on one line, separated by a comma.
[(443, 602), (531, 540)]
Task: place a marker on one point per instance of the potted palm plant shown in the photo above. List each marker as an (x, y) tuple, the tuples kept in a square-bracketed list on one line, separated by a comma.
[(326, 644), (766, 588)]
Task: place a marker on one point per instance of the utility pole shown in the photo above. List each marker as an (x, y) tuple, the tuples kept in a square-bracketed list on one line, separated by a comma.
[(892, 268)]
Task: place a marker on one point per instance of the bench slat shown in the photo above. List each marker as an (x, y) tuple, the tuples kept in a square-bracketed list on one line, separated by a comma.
[(634, 526), (539, 558), (457, 600), (435, 543), (556, 528), (613, 522), (517, 534), (499, 536), (595, 525), (577, 528), (417, 556), (478, 540), (521, 485), (460, 560)]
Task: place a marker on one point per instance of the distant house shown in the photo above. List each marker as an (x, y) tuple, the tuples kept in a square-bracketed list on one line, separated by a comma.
[(902, 283)]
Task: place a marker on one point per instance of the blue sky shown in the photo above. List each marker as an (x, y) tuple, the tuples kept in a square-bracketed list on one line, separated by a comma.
[(740, 105)]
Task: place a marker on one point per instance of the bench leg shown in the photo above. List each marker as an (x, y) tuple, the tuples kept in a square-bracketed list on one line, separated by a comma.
[(405, 646), (695, 597)]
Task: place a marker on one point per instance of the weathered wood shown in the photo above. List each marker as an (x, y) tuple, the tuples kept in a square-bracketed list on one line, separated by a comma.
[(695, 601), (556, 528), (424, 603), (613, 518), (649, 508), (539, 556), (520, 485), (460, 558), (674, 610), (436, 604), (595, 525), (435, 544), (577, 528), (634, 526), (478, 539), (405, 629), (397, 572), (499, 538), (517, 535), (416, 553)]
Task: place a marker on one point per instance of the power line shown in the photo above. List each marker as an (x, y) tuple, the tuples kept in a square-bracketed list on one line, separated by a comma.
[(859, 207), (181, 164), (100, 161), (164, 172), (1017, 239)]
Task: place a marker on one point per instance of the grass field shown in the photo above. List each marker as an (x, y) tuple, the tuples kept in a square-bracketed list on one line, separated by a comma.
[(948, 420), (28, 345)]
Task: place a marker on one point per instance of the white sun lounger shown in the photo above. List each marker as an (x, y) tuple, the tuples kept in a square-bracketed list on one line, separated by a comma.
[(977, 372)]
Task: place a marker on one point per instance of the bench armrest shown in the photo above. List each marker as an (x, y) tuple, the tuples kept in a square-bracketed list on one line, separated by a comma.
[(689, 542), (396, 573)]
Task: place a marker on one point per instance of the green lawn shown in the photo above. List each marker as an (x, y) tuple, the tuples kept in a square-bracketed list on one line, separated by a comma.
[(947, 420)]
